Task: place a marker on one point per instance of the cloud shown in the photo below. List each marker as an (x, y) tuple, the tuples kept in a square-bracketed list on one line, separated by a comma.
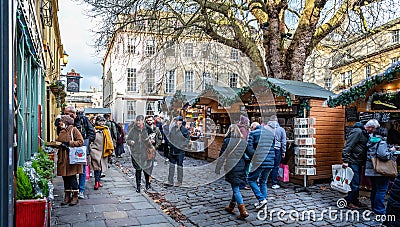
[(77, 39)]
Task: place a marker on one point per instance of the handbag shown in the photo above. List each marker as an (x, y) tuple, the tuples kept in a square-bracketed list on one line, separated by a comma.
[(77, 155), (151, 153), (386, 168)]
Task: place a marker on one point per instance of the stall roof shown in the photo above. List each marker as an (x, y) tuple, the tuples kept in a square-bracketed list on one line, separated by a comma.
[(97, 110), (190, 97), (303, 89)]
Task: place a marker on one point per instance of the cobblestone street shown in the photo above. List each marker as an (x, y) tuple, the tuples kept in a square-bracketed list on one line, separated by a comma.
[(203, 205)]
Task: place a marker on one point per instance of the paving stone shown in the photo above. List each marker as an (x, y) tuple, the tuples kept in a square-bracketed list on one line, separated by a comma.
[(90, 224), (122, 222), (142, 212), (72, 218), (105, 207), (142, 205), (115, 214), (155, 219)]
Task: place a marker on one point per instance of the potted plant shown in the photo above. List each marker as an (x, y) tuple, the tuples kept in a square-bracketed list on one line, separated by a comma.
[(56, 87)]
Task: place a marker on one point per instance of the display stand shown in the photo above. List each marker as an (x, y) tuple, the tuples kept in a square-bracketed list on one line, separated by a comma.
[(304, 151)]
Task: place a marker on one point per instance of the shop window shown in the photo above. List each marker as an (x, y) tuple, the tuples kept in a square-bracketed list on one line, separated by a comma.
[(206, 79), (328, 83), (234, 54), (368, 71), (188, 50), (170, 83), (150, 79), (233, 80), (189, 83), (131, 113), (132, 79), (395, 36)]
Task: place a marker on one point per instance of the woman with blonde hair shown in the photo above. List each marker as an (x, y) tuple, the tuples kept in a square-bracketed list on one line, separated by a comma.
[(231, 157), (70, 137)]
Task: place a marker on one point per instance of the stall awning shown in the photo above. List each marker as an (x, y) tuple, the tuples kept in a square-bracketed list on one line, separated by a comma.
[(185, 97), (360, 90), (97, 111), (303, 89)]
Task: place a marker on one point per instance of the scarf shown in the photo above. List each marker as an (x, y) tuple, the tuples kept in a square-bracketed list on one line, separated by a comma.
[(108, 143)]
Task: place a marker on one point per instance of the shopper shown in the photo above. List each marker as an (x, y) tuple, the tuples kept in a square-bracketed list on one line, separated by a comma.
[(82, 123), (354, 156), (101, 148), (139, 141), (155, 136), (393, 205), (378, 148), (279, 145), (262, 157), (121, 140), (64, 169), (233, 161), (178, 142)]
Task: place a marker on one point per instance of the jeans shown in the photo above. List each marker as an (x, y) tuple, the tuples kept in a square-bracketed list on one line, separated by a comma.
[(352, 196), (275, 170), (82, 176), (70, 183), (97, 174), (262, 175), (380, 186), (175, 160), (236, 197)]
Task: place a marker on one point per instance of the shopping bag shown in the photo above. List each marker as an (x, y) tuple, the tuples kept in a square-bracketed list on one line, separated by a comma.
[(342, 180), (77, 155), (87, 172), (283, 173)]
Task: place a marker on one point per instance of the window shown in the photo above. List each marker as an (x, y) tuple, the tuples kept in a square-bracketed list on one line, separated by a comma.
[(328, 83), (395, 60), (131, 46), (205, 50), (233, 80), (170, 51), (349, 78), (206, 79), (150, 108), (395, 36), (170, 84), (368, 71), (343, 78), (150, 79), (189, 83), (234, 54), (132, 80), (150, 48), (141, 23), (188, 50), (131, 105)]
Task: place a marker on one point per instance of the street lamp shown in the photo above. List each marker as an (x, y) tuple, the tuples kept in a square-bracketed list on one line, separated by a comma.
[(65, 58)]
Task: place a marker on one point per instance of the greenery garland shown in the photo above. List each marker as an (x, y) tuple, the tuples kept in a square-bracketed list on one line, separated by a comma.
[(360, 90), (222, 100), (304, 105)]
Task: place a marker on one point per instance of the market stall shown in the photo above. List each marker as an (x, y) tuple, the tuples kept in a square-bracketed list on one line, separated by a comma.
[(314, 132)]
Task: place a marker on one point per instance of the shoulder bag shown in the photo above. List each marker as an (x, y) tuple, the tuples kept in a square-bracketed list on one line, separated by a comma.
[(386, 168), (77, 155)]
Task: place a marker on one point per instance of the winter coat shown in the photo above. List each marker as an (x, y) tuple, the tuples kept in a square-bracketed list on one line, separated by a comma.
[(394, 197), (233, 160), (259, 148), (101, 148), (355, 149), (377, 147), (155, 132), (84, 126), (139, 149), (63, 166), (280, 135), (178, 140)]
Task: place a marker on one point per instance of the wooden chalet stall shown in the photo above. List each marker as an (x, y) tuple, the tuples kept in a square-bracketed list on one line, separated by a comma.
[(376, 97), (291, 100), (221, 109)]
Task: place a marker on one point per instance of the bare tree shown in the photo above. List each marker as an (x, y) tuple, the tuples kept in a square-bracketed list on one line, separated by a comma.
[(277, 36)]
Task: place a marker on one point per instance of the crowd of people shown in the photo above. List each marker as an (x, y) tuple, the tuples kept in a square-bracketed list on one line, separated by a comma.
[(248, 156)]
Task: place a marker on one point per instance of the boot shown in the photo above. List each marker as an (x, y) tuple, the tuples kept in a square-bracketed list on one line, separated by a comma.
[(243, 212), (100, 184), (148, 185), (231, 207), (67, 198), (74, 200), (96, 186)]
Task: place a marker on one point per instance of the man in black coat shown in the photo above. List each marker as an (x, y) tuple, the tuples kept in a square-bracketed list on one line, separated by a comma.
[(178, 141), (82, 123), (354, 156), (393, 205)]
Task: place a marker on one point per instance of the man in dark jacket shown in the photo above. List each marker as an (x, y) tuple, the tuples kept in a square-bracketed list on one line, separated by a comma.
[(178, 141), (262, 157), (82, 123), (354, 155), (393, 204)]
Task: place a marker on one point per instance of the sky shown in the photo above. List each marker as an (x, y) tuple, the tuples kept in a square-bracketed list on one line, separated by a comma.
[(77, 40)]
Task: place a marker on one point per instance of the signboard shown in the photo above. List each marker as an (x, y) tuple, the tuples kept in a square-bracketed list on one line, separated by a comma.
[(73, 83), (379, 116), (351, 114)]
